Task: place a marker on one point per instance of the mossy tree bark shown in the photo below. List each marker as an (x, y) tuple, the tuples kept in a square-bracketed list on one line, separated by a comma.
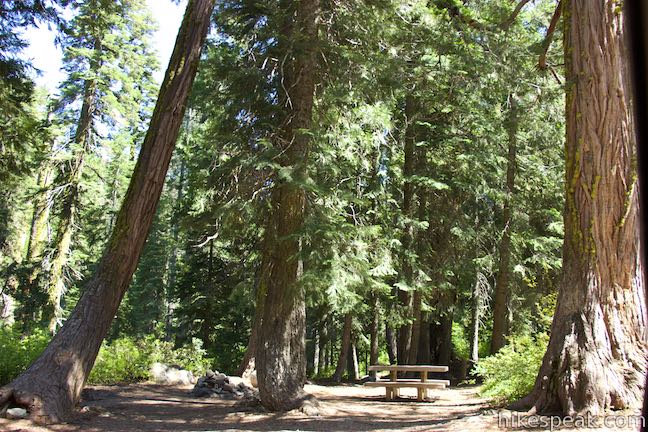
[(596, 359), (27, 313), (67, 219), (52, 385), (280, 356)]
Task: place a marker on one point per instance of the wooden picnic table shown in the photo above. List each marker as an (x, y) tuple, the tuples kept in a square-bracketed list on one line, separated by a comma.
[(393, 384)]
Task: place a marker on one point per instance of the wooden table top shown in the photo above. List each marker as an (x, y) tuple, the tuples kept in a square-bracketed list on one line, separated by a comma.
[(409, 368)]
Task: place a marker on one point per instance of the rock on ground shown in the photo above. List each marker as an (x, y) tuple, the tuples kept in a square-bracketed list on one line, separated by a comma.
[(171, 375)]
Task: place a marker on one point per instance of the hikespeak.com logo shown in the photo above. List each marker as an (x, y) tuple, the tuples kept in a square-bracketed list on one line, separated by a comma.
[(521, 421)]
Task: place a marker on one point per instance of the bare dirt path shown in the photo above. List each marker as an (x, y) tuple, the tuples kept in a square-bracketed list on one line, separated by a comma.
[(148, 407)]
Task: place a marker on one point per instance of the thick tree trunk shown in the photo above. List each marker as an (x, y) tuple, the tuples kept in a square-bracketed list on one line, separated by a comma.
[(500, 306), (345, 344), (51, 386), (404, 297), (424, 344), (596, 359), (373, 338), (280, 361), (445, 348)]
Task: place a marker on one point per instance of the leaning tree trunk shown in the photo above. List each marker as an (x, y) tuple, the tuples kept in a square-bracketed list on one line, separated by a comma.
[(500, 306), (596, 359), (345, 344), (281, 357), (52, 385)]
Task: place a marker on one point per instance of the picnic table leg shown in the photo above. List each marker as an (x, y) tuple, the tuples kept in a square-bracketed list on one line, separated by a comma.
[(393, 376), (423, 393)]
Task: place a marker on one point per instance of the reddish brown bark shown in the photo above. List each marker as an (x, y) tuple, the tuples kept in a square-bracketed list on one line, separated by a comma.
[(345, 345), (281, 357), (596, 359), (52, 385)]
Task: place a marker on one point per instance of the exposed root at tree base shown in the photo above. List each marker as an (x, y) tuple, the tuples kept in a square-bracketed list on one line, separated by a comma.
[(12, 398), (310, 406)]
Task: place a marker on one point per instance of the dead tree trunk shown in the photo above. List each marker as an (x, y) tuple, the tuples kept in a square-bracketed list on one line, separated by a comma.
[(500, 307), (596, 359), (316, 352), (280, 361), (353, 369), (51, 386)]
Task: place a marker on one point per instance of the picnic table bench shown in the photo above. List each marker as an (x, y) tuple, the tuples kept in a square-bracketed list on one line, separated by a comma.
[(393, 384)]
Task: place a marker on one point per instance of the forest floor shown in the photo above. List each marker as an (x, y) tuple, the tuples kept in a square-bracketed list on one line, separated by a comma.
[(149, 407)]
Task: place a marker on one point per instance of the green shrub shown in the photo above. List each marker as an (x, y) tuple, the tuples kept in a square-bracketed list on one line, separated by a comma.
[(460, 343), (129, 360), (192, 357), (510, 374), (17, 352), (122, 360)]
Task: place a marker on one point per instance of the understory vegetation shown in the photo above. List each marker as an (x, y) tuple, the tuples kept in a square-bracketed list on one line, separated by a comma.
[(122, 360)]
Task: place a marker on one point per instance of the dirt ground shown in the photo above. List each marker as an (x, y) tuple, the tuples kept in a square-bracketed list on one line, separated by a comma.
[(148, 407)]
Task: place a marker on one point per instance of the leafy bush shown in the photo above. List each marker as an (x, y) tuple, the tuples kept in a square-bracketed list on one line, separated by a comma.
[(122, 360), (192, 357), (129, 360), (460, 342), (510, 374), (17, 352)]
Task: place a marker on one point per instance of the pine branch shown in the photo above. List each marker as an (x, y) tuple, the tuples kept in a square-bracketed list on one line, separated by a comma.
[(511, 19), (542, 62)]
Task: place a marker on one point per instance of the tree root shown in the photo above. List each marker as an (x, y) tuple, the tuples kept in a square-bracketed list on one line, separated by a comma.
[(310, 406), (11, 397)]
